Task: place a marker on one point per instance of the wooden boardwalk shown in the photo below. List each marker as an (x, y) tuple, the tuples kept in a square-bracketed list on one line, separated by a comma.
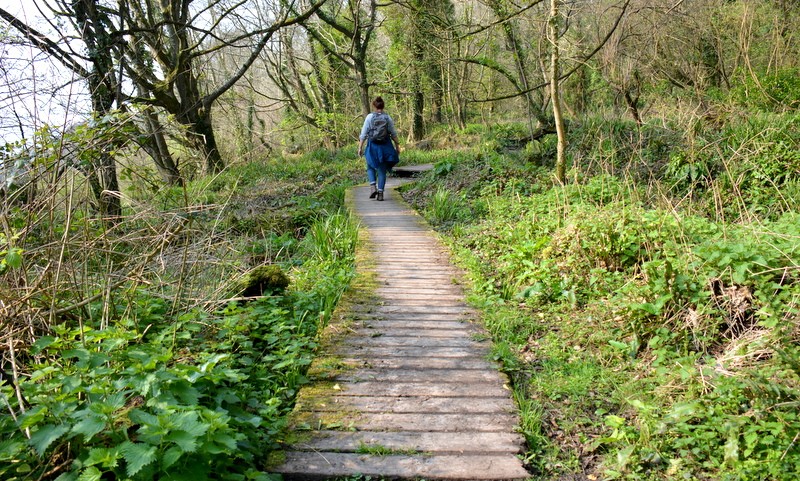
[(409, 393)]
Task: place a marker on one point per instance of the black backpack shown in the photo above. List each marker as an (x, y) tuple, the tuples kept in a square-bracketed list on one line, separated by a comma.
[(380, 128)]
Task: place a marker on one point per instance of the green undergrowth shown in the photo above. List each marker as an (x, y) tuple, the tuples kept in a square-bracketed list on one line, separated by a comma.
[(650, 332), (146, 382), (328, 364)]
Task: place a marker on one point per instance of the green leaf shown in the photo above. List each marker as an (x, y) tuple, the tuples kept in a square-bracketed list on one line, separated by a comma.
[(33, 417), (188, 421), (90, 474), (614, 421), (619, 345), (137, 416), (684, 410), (10, 449), (42, 343), (137, 456), (106, 457), (186, 441), (14, 258), (624, 455), (222, 443), (171, 456), (89, 426), (68, 476), (46, 435)]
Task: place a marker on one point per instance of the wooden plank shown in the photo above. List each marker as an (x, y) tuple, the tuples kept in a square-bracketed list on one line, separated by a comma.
[(418, 363), (382, 341), (439, 443), (416, 324), (411, 332), (422, 404), (417, 422), (413, 288), (322, 465), (462, 309), (369, 388), (407, 351), (419, 375), (402, 290), (369, 314)]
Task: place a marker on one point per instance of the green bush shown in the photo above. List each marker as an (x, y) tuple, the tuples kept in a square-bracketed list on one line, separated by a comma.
[(769, 92)]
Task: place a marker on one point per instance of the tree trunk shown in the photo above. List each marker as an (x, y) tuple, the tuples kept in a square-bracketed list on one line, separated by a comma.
[(156, 146), (363, 86), (555, 92), (201, 135), (110, 202), (95, 33), (418, 122)]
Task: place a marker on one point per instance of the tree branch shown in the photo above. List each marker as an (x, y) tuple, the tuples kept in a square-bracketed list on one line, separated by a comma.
[(210, 98), (43, 43), (571, 71)]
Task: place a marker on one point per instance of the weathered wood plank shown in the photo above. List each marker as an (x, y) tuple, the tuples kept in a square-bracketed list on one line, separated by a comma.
[(428, 332), (417, 422), (368, 313), (317, 465), (418, 363), (418, 405), (440, 443), (461, 309), (421, 389), (419, 375), (381, 341), (459, 325), (407, 351)]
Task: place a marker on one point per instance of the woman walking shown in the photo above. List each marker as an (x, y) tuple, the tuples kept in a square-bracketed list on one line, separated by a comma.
[(383, 148)]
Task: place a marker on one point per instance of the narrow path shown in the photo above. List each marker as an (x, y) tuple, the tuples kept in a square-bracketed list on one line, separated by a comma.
[(411, 394)]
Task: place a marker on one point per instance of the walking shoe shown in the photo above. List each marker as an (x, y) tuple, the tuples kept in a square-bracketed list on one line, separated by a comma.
[(380, 195), (374, 192)]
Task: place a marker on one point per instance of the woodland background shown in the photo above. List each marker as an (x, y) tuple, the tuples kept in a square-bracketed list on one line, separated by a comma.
[(620, 179)]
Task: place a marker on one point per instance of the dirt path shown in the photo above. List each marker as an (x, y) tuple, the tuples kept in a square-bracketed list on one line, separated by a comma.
[(406, 390)]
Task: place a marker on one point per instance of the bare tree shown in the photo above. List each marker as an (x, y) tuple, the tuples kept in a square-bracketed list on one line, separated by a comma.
[(94, 27), (180, 42), (354, 26)]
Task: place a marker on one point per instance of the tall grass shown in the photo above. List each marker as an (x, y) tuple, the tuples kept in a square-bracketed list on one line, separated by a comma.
[(332, 238)]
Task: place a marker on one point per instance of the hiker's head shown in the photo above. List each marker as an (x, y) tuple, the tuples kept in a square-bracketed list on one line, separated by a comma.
[(378, 103)]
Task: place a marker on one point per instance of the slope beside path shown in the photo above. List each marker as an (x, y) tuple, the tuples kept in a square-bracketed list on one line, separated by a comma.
[(403, 389)]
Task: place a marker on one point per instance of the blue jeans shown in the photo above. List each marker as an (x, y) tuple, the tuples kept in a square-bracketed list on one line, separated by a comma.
[(380, 173), (379, 158)]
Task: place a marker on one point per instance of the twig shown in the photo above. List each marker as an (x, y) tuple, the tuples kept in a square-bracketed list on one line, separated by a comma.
[(116, 284), (790, 446), (15, 375)]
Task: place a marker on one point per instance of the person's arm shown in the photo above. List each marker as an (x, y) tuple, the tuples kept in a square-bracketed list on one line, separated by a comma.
[(393, 134), (363, 135)]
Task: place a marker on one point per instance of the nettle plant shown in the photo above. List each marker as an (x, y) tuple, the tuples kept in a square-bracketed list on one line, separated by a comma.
[(107, 401), (199, 395), (199, 399)]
